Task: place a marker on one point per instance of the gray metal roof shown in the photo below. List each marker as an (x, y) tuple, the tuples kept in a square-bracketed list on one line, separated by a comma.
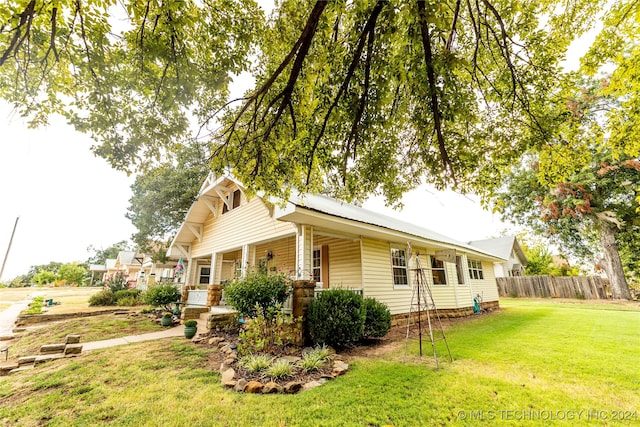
[(345, 210), (501, 246)]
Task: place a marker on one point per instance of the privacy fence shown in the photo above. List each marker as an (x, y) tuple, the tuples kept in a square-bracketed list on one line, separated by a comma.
[(553, 287)]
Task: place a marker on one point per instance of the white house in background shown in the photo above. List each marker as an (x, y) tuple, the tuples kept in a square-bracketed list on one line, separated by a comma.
[(508, 248), (336, 244)]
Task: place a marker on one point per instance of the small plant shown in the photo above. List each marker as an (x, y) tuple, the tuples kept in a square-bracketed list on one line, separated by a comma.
[(257, 293), (117, 283), (167, 314), (35, 307), (280, 369), (255, 363), (162, 296), (102, 298), (190, 323), (314, 359), (377, 319), (128, 297)]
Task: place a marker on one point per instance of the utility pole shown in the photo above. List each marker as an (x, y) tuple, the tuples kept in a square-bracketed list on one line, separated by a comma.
[(6, 255)]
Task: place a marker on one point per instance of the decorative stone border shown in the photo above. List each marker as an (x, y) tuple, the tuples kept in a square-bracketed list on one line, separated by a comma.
[(230, 381)]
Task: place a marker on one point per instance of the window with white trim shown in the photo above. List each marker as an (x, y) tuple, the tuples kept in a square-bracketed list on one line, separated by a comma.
[(399, 267), (438, 272), (475, 269), (204, 275), (316, 270)]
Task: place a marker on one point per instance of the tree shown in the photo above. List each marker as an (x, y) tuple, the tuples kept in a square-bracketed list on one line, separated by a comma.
[(594, 207), (132, 74), (100, 256), (44, 277), (162, 196), (72, 274), (358, 96)]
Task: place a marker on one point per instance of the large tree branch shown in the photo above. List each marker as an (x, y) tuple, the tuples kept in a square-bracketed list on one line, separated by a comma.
[(433, 94), (26, 17)]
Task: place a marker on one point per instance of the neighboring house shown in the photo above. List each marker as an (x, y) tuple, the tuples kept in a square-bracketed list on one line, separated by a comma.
[(508, 248), (97, 272), (156, 272), (333, 243), (129, 264)]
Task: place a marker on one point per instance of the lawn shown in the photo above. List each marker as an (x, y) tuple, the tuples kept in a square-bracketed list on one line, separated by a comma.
[(533, 363)]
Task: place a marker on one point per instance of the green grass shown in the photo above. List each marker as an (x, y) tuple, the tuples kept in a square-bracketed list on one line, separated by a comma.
[(532, 356), (92, 328)]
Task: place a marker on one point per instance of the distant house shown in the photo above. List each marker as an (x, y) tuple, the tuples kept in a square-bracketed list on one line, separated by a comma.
[(335, 244), (507, 248)]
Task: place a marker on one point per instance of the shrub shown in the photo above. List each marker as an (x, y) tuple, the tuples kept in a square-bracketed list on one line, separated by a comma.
[(128, 297), (35, 306), (162, 296), (314, 359), (190, 323), (104, 297), (280, 369), (264, 334), (256, 293), (336, 318), (377, 320)]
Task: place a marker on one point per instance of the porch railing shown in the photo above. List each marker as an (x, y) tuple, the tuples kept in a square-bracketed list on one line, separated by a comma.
[(287, 306)]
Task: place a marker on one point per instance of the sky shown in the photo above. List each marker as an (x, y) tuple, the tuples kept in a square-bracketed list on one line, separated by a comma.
[(68, 199)]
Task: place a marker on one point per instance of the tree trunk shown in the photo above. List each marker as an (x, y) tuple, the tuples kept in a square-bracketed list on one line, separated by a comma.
[(613, 264)]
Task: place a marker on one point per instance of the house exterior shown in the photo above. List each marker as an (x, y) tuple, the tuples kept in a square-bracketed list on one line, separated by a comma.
[(335, 244), (508, 248)]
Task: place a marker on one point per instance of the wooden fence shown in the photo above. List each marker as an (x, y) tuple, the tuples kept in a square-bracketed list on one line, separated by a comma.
[(553, 287)]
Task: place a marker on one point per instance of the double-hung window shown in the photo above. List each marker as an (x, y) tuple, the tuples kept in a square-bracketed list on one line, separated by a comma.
[(475, 269), (438, 272), (399, 267)]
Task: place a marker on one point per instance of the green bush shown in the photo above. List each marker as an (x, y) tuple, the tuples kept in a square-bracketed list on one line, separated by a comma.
[(104, 297), (377, 320), (336, 318), (132, 297), (162, 296), (256, 293), (274, 333), (190, 323)]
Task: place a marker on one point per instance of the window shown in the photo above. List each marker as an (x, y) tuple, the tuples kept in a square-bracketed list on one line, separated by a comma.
[(204, 275), (399, 267), (437, 272), (235, 202), (316, 270), (459, 270), (475, 269)]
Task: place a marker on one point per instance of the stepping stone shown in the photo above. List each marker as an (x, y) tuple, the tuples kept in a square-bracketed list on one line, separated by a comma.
[(73, 349), (8, 367), (47, 357), (52, 348), (22, 368), (72, 339), (26, 360)]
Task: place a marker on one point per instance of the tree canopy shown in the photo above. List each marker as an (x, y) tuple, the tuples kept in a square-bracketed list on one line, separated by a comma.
[(356, 96)]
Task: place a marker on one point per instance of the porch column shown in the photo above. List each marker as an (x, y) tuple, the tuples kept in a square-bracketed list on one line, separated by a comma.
[(189, 271), (304, 251), (216, 270), (248, 258)]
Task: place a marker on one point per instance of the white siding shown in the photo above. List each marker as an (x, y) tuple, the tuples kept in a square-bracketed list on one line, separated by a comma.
[(251, 222), (344, 261), (486, 287)]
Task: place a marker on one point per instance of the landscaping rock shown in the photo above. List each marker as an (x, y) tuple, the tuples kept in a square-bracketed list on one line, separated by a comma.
[(47, 357), (16, 330), (229, 384), (291, 359), (73, 349), (292, 387), (254, 387), (339, 368), (52, 348), (240, 385), (6, 368), (6, 337), (73, 339), (229, 361), (271, 387), (311, 385), (215, 340), (228, 375), (26, 360)]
